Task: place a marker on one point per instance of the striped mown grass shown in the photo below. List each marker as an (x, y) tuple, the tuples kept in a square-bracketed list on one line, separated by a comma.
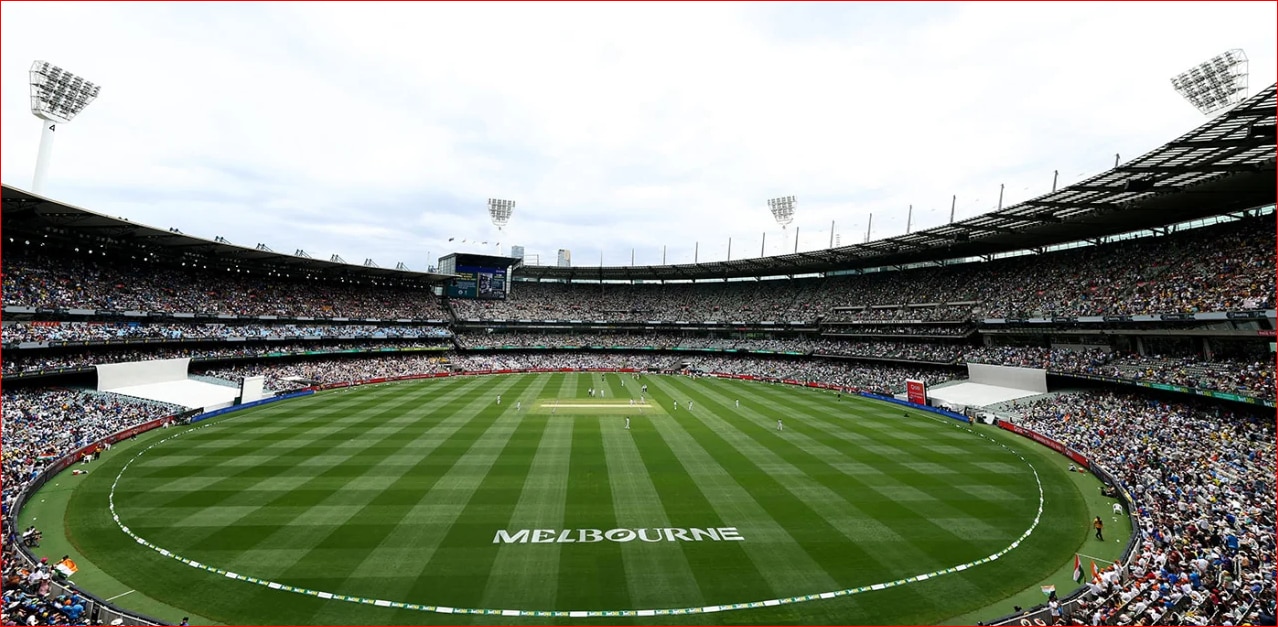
[(397, 493)]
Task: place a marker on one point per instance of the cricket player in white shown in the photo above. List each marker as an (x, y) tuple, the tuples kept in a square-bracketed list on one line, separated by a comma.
[(499, 399), (627, 422), (518, 404), (780, 427), (738, 404), (689, 405)]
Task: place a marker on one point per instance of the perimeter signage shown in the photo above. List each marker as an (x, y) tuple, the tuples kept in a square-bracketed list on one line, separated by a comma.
[(648, 534)]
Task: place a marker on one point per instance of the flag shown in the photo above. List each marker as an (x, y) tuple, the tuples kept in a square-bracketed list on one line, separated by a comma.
[(1095, 571), (1078, 569), (1048, 590), (66, 567)]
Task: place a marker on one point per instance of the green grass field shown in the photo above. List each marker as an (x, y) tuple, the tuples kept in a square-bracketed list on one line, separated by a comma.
[(395, 494)]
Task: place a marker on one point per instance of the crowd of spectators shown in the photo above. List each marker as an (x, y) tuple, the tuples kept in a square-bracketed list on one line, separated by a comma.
[(1225, 267), (304, 373), (905, 351), (298, 374), (121, 284), (74, 331), (28, 599), (1245, 375), (942, 313), (1219, 268), (1249, 377), (953, 330), (282, 377), (666, 341), (1202, 480), (517, 361), (40, 426), (1017, 356), (738, 301), (37, 360), (879, 379)]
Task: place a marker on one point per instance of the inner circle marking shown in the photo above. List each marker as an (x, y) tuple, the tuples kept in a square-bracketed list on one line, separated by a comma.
[(440, 609)]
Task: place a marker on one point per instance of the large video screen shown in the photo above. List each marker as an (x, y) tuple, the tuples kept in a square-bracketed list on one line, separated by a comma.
[(481, 283)]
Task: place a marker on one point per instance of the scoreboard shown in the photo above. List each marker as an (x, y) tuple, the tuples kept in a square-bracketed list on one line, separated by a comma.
[(482, 277), (478, 282)]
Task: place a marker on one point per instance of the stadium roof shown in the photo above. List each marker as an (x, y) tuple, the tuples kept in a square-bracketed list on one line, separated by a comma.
[(25, 212), (1224, 166), (481, 261)]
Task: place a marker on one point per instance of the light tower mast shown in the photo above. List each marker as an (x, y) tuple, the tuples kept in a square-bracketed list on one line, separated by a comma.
[(57, 96)]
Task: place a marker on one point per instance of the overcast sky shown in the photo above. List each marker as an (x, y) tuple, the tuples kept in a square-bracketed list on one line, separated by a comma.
[(380, 130)]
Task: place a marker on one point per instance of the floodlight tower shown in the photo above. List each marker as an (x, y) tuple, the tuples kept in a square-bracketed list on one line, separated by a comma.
[(499, 211), (782, 209), (56, 96), (783, 212), (1214, 84)]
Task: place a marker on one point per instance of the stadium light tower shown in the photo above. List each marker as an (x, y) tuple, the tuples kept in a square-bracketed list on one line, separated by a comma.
[(782, 209), (57, 96), (1216, 83), (500, 210)]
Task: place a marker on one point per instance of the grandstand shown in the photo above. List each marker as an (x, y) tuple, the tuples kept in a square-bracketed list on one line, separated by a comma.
[(1150, 285)]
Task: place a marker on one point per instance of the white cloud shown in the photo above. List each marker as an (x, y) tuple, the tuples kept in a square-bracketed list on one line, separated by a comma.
[(378, 130)]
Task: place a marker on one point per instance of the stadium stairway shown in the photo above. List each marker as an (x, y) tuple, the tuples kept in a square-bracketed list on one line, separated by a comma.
[(452, 322)]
